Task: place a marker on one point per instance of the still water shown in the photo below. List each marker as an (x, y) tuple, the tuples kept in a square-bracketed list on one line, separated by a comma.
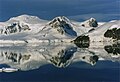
[(61, 62)]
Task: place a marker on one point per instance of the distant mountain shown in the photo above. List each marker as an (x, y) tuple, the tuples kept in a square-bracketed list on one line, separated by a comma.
[(107, 32), (63, 25), (58, 28), (90, 23), (18, 28), (26, 19), (28, 29)]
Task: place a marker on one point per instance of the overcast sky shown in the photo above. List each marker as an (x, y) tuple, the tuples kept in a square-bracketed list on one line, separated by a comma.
[(102, 10)]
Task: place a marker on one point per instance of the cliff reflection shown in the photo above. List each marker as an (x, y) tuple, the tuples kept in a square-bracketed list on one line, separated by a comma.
[(15, 57), (63, 58), (113, 49)]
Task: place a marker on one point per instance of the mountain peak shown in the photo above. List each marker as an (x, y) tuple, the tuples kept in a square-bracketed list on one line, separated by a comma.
[(60, 19), (92, 19), (63, 25), (26, 18), (90, 23), (23, 17)]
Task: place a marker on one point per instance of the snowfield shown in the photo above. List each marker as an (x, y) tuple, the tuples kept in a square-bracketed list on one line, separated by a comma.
[(31, 29)]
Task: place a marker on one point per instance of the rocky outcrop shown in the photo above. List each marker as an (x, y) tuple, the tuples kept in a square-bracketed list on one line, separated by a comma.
[(82, 39), (15, 27), (113, 33), (114, 49)]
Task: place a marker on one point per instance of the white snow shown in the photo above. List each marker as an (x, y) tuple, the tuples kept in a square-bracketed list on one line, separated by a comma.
[(41, 31), (98, 34), (115, 26)]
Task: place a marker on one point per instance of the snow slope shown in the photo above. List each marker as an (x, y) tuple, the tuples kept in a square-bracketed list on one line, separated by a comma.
[(30, 29), (17, 28), (108, 32), (27, 27)]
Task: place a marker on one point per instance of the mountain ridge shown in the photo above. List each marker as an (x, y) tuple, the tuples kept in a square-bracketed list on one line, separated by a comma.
[(60, 28)]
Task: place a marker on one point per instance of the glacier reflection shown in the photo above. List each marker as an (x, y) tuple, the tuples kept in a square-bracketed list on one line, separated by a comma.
[(26, 57)]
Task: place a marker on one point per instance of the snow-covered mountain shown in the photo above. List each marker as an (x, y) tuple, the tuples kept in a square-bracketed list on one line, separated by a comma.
[(15, 27), (58, 28), (63, 25), (18, 28), (26, 19), (90, 23), (27, 27), (22, 22), (107, 32)]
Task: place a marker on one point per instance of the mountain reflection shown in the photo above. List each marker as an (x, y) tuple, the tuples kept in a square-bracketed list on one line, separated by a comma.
[(60, 55), (62, 59), (114, 49), (15, 57)]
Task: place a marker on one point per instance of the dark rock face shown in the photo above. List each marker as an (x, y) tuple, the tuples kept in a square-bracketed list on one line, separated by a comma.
[(113, 33), (94, 59), (93, 23), (13, 28), (90, 23), (82, 41), (114, 49)]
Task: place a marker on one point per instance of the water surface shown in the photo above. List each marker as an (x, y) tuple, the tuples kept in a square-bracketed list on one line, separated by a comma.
[(60, 62)]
